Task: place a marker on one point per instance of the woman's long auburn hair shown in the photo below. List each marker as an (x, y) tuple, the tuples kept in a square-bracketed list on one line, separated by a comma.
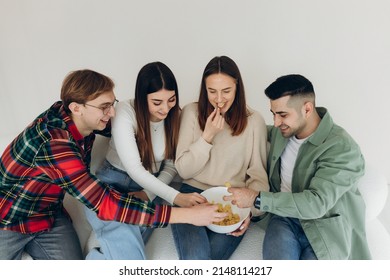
[(154, 77), (237, 115)]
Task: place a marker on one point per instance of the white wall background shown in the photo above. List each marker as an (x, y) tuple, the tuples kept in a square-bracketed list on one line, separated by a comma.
[(342, 46)]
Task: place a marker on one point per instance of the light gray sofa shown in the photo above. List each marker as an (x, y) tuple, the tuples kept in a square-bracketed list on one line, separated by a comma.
[(373, 186)]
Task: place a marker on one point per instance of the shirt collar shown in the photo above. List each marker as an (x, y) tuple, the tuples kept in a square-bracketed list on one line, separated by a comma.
[(69, 123), (323, 128)]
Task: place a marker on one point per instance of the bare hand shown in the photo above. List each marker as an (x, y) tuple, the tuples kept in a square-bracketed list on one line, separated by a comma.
[(214, 125), (206, 214), (198, 215), (243, 228), (242, 197), (189, 199)]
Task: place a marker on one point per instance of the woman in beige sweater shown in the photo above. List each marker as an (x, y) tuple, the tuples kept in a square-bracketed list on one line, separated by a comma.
[(220, 140)]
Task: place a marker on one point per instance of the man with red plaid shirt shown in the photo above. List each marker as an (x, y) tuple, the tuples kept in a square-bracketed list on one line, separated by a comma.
[(51, 157)]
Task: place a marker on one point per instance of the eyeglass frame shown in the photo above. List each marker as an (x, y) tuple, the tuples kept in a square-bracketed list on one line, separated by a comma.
[(106, 108)]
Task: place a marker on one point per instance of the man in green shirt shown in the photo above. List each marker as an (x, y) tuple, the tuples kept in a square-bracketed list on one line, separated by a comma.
[(316, 210)]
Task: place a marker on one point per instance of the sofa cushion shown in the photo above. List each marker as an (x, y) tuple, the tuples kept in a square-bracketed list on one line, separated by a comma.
[(374, 189)]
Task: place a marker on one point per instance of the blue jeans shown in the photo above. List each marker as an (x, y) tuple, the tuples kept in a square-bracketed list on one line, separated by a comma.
[(59, 243), (200, 243), (118, 241), (285, 240)]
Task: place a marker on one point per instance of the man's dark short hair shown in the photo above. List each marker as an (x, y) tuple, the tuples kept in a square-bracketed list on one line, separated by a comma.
[(292, 85)]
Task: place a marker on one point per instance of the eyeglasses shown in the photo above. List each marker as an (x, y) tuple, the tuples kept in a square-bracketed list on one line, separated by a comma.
[(106, 108)]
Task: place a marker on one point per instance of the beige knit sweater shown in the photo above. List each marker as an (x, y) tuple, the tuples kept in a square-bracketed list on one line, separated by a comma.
[(240, 160)]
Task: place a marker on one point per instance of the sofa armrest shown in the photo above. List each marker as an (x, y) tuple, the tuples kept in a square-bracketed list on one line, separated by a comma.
[(374, 189), (384, 216)]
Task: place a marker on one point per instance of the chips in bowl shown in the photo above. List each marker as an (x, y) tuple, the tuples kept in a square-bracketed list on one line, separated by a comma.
[(236, 215)]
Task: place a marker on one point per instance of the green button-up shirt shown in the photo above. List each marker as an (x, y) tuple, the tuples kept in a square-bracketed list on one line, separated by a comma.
[(324, 196)]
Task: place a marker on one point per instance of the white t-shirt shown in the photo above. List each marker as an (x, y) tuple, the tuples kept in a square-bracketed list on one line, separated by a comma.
[(123, 153), (288, 158)]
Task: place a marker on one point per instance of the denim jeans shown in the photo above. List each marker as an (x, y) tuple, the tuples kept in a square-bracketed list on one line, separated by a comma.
[(200, 243), (285, 240), (59, 243), (118, 241)]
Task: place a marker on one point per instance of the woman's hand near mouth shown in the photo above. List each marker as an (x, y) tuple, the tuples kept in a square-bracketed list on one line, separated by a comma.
[(214, 125)]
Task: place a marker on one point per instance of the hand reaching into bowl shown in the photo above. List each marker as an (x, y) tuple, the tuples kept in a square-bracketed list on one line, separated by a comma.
[(242, 197), (215, 195), (198, 215), (189, 199)]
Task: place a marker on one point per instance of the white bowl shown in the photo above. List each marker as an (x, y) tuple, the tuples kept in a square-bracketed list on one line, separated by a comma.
[(215, 195)]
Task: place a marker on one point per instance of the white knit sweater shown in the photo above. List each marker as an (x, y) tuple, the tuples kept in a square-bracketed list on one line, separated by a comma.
[(123, 153)]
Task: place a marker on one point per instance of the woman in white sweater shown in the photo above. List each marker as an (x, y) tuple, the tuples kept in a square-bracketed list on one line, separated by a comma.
[(140, 159), (220, 140)]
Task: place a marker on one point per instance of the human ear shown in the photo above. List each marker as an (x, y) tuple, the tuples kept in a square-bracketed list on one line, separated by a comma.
[(308, 108), (76, 108)]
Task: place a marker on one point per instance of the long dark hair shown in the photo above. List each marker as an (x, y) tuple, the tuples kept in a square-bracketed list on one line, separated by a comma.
[(151, 78), (237, 115)]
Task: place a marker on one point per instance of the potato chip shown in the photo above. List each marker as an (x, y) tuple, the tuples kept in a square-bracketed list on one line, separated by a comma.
[(230, 219)]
